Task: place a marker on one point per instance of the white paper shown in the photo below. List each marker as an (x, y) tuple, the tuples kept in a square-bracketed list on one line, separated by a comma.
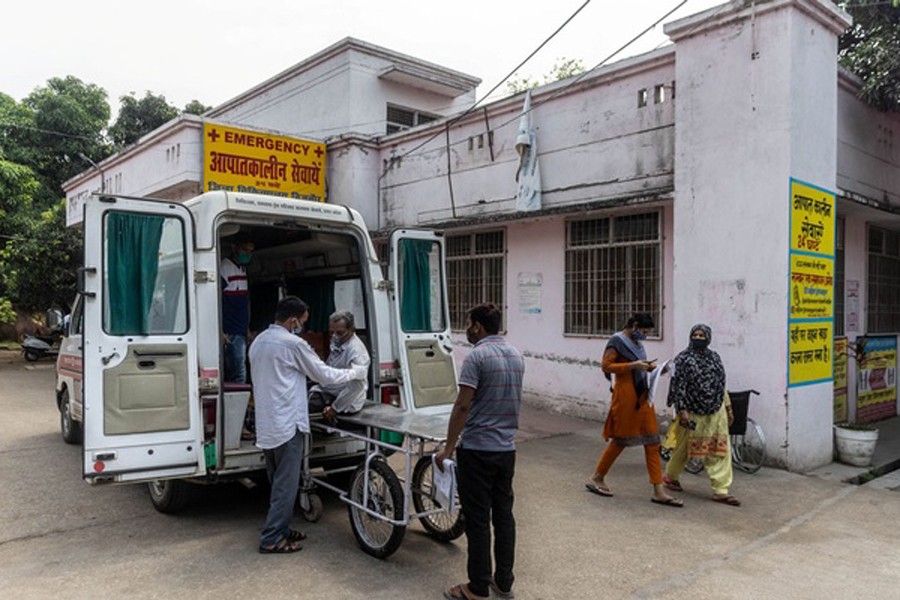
[(444, 484), (653, 378)]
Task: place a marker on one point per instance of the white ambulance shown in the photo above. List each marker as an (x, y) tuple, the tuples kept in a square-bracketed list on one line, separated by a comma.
[(140, 371)]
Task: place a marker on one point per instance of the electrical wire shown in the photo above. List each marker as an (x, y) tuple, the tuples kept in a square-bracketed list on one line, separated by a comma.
[(513, 72)]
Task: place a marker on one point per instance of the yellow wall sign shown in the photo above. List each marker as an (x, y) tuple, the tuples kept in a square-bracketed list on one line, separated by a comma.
[(812, 287), (248, 161), (840, 380), (812, 219), (810, 352)]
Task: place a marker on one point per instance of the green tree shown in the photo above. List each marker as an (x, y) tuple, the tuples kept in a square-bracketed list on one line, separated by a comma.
[(871, 50), (563, 68), (138, 117), (195, 107), (67, 117), (40, 263)]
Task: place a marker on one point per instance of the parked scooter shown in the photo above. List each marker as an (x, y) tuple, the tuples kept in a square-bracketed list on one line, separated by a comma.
[(36, 347)]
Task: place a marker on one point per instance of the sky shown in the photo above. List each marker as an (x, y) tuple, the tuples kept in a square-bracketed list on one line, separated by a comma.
[(213, 50)]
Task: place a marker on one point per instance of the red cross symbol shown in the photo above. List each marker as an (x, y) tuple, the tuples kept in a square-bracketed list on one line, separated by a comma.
[(214, 135), (318, 152)]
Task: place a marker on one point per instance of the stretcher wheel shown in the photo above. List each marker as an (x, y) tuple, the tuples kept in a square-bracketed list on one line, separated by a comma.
[(382, 494), (693, 466), (443, 526), (315, 510)]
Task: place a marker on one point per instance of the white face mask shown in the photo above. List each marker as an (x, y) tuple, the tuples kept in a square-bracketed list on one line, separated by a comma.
[(298, 329)]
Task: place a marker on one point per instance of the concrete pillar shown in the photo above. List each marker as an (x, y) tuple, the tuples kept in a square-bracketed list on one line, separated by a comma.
[(755, 105)]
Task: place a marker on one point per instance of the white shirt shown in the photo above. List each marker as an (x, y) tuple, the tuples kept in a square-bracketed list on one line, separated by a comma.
[(279, 365), (349, 397)]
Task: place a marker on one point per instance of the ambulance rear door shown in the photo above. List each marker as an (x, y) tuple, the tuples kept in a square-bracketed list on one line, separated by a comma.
[(141, 409), (422, 320)]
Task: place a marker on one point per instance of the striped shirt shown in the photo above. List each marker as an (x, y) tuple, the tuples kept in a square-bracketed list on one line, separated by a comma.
[(494, 369), (235, 298)]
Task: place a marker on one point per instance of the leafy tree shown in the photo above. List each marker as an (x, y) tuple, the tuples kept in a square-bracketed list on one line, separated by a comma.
[(871, 50), (67, 117), (195, 107), (40, 263), (563, 68), (138, 117)]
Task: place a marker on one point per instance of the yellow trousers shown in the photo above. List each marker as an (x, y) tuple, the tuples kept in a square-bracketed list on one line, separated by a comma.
[(718, 468)]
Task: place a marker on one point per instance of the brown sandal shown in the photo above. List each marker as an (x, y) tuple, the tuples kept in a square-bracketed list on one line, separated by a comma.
[(460, 591), (727, 499)]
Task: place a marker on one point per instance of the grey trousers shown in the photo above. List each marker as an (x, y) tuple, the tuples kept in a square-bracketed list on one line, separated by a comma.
[(283, 465)]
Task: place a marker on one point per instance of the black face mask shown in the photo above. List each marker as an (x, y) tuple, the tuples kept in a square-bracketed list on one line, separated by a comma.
[(699, 344), (470, 336)]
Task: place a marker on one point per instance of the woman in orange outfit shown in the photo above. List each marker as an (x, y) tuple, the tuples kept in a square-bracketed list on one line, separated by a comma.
[(631, 420)]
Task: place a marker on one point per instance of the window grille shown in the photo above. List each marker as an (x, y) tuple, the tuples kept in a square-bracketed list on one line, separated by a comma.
[(884, 281), (612, 272), (400, 119), (475, 272), (839, 279)]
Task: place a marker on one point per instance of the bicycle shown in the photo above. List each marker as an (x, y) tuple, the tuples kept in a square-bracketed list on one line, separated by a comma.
[(748, 442)]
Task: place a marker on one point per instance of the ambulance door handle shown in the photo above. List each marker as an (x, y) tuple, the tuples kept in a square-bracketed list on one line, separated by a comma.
[(147, 364)]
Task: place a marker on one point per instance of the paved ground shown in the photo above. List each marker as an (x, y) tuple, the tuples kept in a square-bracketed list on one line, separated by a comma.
[(795, 536)]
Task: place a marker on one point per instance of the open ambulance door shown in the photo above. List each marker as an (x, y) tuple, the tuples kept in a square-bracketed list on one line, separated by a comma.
[(141, 410), (422, 319)]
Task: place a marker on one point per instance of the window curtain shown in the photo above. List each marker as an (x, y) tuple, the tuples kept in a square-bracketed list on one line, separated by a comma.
[(415, 293), (132, 267), (319, 295)]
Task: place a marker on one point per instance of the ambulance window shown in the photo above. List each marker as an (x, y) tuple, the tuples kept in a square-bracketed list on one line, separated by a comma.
[(348, 295), (421, 297), (145, 275)]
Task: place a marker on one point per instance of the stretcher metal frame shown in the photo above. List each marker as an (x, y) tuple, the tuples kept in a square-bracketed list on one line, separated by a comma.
[(419, 431)]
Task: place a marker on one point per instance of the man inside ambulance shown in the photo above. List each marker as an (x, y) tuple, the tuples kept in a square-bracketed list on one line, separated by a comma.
[(346, 351)]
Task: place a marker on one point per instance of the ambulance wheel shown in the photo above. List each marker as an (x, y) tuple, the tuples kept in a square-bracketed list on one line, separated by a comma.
[(444, 526), (383, 493), (169, 495), (70, 428), (32, 356), (316, 508)]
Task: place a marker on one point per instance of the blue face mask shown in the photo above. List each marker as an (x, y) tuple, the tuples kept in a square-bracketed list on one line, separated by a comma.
[(243, 258), (637, 336)]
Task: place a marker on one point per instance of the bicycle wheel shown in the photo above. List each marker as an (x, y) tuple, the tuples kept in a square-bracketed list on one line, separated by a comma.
[(376, 536), (693, 466), (749, 450), (443, 526)]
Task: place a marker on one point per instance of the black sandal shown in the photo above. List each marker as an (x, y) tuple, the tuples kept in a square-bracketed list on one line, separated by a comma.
[(295, 536), (282, 546)]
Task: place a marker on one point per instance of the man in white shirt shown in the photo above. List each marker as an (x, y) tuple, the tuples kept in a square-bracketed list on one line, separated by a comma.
[(280, 362), (347, 351)]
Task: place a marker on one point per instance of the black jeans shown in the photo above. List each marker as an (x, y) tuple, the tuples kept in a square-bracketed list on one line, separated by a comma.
[(484, 481)]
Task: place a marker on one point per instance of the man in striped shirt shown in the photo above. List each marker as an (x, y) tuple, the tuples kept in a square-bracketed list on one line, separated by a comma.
[(484, 421), (236, 307)]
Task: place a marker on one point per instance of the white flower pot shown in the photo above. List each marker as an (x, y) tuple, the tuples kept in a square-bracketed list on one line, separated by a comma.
[(854, 446)]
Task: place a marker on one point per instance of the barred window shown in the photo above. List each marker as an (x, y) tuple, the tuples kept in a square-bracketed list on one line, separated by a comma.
[(884, 281), (612, 272), (839, 274), (475, 265), (400, 119)]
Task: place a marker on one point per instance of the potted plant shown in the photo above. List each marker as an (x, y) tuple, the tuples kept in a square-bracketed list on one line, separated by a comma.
[(855, 443)]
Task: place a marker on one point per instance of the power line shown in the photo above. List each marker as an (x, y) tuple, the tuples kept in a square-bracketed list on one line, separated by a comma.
[(513, 72), (48, 131), (568, 85)]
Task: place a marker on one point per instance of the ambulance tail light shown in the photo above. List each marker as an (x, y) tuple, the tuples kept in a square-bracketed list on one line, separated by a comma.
[(209, 416), (390, 394)]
